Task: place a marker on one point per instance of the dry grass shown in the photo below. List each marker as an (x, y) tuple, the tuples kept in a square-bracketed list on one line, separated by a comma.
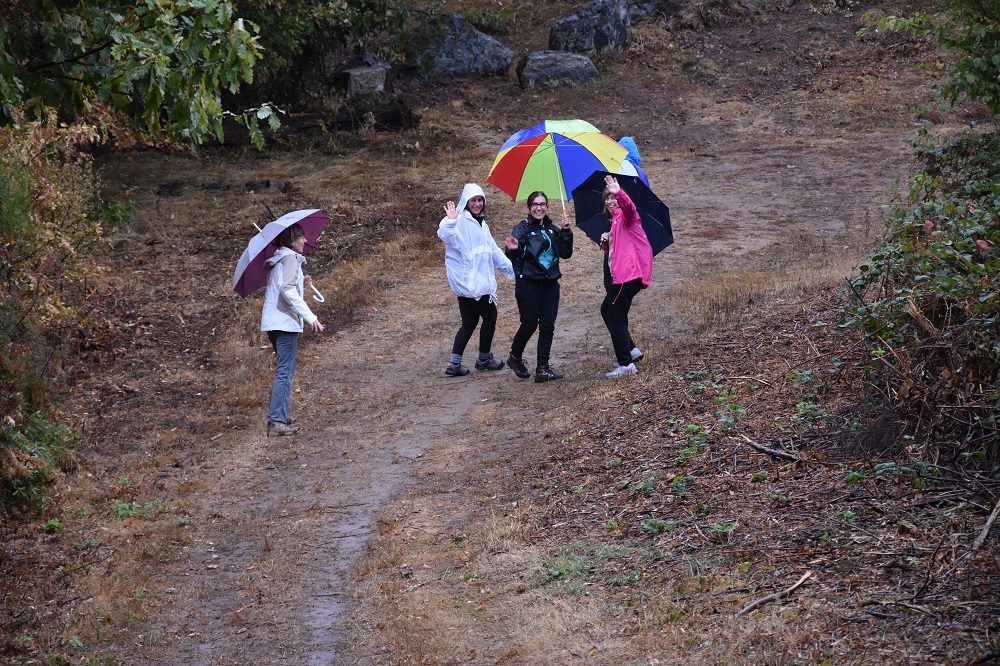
[(731, 297), (557, 549), (496, 557)]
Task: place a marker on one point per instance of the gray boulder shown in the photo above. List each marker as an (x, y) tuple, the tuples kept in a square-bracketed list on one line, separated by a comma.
[(361, 81), (455, 49), (554, 68), (639, 10), (600, 26)]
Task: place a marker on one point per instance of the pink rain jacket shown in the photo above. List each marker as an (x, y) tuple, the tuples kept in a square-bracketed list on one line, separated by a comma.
[(629, 251)]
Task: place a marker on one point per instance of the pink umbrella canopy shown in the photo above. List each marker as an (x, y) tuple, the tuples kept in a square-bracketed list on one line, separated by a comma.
[(250, 272)]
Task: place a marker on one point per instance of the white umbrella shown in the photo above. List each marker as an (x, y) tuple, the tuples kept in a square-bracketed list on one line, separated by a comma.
[(250, 272)]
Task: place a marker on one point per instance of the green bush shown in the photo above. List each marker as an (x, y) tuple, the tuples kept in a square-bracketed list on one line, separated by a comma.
[(928, 295), (34, 453), (968, 29)]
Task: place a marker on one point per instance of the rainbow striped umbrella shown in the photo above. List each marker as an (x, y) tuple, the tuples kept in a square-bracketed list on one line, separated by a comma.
[(555, 156)]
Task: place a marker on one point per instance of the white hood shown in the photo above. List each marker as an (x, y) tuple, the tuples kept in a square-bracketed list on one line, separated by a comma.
[(471, 190), (281, 252), (471, 255)]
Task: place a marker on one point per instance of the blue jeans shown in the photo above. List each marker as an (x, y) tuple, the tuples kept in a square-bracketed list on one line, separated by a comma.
[(285, 345)]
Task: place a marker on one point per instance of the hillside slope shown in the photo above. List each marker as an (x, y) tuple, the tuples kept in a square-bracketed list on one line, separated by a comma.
[(424, 519)]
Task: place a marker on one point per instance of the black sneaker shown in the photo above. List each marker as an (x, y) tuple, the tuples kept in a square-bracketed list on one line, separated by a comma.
[(544, 373), (456, 370), (492, 363), (517, 365)]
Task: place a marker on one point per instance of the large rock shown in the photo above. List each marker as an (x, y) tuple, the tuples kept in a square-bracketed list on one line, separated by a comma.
[(600, 26), (640, 10), (554, 68), (361, 81), (454, 49)]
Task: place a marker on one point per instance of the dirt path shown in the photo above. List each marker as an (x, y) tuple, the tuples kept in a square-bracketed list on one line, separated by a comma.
[(266, 567), (268, 582)]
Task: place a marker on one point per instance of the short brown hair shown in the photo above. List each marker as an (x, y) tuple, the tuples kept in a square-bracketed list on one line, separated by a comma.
[(290, 235)]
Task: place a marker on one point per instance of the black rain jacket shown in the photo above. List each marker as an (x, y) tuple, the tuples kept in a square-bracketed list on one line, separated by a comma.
[(531, 243)]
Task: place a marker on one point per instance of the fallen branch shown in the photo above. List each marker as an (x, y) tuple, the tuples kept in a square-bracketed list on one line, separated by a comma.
[(903, 604), (784, 454), (884, 616), (755, 379), (986, 528), (773, 452), (771, 597)]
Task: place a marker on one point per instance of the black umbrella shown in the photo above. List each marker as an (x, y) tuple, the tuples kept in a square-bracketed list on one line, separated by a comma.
[(654, 213)]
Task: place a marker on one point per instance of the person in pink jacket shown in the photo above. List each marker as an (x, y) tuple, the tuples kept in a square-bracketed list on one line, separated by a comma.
[(630, 260)]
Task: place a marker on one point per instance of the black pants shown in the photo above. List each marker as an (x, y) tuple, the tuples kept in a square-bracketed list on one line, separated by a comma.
[(608, 286), (538, 303), (472, 310), (614, 309)]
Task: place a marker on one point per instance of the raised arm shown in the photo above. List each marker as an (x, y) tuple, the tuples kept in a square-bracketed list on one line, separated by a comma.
[(448, 228)]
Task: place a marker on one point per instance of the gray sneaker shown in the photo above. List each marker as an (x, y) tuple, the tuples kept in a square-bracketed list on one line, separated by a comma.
[(492, 363), (636, 354), (277, 429)]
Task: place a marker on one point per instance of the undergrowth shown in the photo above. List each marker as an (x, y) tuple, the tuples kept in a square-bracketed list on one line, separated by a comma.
[(50, 222), (927, 297)]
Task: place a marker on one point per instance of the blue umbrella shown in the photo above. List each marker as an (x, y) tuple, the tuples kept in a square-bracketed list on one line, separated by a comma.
[(654, 213)]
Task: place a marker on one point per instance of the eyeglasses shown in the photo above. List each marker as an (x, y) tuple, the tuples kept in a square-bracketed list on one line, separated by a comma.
[(540, 204)]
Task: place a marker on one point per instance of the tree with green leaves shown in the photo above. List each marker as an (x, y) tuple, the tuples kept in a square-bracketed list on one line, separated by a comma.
[(157, 67), (970, 29)]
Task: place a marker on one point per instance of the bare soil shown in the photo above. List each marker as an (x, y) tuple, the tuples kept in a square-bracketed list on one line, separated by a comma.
[(425, 519)]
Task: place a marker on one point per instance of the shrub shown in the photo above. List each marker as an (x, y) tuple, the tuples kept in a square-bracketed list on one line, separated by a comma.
[(33, 453), (929, 295), (49, 223)]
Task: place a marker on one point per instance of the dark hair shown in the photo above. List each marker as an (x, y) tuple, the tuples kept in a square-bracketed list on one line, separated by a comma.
[(290, 235), (604, 200), (483, 211), (536, 194)]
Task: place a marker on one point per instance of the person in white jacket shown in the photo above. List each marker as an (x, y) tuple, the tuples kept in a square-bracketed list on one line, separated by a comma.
[(282, 319), (470, 258)]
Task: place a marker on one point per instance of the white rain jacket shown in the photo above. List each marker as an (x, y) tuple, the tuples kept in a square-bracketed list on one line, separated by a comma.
[(284, 305), (471, 255)]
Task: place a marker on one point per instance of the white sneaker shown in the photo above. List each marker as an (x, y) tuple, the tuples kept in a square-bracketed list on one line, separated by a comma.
[(636, 354), (622, 371)]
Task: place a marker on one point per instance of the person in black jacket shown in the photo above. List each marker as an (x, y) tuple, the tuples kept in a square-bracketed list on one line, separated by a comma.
[(535, 247)]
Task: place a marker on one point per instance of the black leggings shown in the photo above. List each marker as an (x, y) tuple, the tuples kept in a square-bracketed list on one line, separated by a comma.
[(472, 310), (608, 287), (538, 302), (614, 309)]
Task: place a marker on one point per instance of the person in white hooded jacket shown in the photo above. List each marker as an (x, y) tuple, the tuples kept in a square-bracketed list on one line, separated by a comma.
[(282, 319), (471, 256)]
